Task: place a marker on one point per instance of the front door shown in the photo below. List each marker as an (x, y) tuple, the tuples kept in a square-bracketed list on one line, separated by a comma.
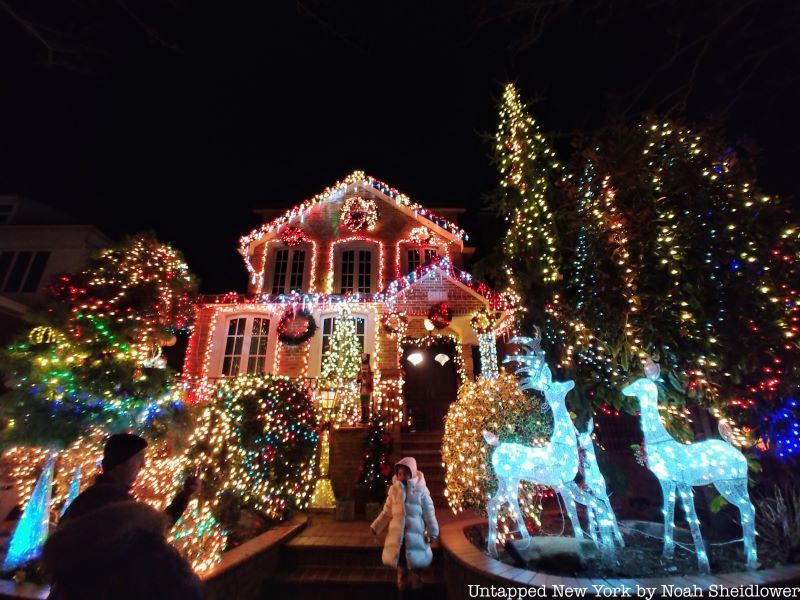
[(430, 383)]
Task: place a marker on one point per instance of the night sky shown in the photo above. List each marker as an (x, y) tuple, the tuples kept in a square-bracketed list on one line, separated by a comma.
[(172, 117)]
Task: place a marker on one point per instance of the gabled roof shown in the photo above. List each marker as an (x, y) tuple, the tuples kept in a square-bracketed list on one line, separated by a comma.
[(496, 300), (337, 191)]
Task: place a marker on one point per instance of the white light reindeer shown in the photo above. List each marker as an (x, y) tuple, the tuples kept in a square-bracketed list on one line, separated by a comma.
[(553, 465), (683, 466), (601, 520)]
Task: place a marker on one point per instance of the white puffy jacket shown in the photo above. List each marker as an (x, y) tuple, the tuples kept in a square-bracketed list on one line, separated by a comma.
[(408, 511)]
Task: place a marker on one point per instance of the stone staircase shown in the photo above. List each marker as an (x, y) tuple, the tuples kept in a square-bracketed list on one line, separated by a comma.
[(332, 560), (426, 448)]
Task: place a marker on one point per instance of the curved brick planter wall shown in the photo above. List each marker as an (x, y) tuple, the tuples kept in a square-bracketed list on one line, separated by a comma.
[(466, 565), (240, 575)]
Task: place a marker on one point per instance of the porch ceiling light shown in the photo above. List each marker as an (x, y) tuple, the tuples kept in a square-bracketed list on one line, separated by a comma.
[(441, 358), (415, 358)]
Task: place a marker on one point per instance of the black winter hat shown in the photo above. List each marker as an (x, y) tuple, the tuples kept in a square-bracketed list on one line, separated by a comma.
[(121, 447)]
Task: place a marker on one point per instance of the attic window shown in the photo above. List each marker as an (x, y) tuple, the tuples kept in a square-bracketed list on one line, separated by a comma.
[(288, 272), (420, 256)]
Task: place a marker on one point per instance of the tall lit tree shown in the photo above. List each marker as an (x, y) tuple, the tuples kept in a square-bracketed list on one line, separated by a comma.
[(666, 248), (93, 359), (530, 196)]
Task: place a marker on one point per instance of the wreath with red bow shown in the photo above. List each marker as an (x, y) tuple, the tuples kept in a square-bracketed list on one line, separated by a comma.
[(440, 314), (296, 327)]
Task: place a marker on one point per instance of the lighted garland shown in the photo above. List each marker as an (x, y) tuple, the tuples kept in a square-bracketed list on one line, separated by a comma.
[(394, 323), (296, 326), (495, 405), (483, 320), (359, 213), (440, 314)]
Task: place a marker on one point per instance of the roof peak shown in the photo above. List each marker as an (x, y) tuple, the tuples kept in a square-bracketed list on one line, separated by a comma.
[(338, 190)]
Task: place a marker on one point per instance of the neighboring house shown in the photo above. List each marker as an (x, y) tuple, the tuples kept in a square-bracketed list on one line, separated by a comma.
[(363, 242), (36, 242)]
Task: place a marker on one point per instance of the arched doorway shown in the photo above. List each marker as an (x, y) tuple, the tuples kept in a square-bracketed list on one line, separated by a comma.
[(430, 382)]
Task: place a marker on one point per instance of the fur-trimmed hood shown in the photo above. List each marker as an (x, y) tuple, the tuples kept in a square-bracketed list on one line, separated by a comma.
[(417, 481)]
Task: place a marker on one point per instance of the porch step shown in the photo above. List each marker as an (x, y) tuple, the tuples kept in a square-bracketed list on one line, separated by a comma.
[(425, 447), (332, 560), (351, 557), (360, 583)]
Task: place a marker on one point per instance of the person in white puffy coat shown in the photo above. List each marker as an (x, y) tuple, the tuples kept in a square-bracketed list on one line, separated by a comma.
[(409, 513)]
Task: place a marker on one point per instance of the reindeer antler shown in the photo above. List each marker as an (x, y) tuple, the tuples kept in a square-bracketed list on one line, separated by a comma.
[(533, 370)]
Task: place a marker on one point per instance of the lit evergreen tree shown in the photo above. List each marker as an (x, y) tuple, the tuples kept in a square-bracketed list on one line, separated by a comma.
[(343, 359), (375, 473), (530, 199), (665, 248), (93, 359)]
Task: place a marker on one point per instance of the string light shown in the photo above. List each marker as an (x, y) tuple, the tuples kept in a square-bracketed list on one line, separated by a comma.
[(522, 148), (499, 405), (682, 466), (335, 192)]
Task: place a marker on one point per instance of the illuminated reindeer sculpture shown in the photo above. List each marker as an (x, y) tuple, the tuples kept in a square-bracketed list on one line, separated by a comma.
[(553, 465), (602, 522), (683, 466)]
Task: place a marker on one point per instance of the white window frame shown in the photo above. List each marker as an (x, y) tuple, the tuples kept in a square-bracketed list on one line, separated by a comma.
[(269, 270), (315, 361), (421, 248), (375, 257), (221, 339)]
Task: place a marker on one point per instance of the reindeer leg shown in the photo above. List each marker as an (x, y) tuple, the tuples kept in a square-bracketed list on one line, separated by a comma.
[(572, 512), (615, 525), (735, 492), (586, 499), (512, 492), (491, 508), (668, 492), (687, 499)]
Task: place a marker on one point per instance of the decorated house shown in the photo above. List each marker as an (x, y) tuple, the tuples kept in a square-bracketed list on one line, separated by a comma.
[(399, 268)]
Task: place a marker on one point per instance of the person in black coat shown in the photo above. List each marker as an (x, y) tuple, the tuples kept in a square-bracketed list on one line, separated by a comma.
[(117, 551), (123, 459)]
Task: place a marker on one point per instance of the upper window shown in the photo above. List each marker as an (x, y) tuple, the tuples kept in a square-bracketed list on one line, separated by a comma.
[(420, 256), (22, 271), (246, 333), (356, 271), (289, 268)]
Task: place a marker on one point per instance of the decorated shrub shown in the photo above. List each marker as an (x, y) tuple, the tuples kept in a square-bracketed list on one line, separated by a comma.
[(375, 472), (254, 448), (499, 406)]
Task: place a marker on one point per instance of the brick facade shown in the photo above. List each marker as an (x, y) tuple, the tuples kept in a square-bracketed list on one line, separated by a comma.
[(322, 226)]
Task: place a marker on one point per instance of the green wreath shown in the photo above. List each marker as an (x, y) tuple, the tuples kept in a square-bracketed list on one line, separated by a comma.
[(296, 327)]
